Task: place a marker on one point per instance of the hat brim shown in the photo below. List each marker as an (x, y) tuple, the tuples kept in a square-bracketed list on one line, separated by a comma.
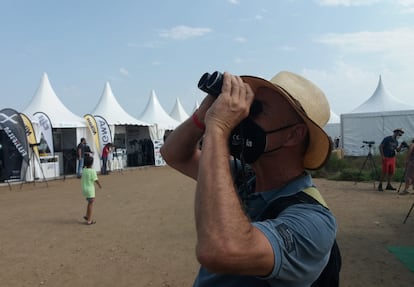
[(319, 147)]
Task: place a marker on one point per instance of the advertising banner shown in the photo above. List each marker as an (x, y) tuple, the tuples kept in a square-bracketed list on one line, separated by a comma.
[(31, 136), (93, 128), (12, 125), (104, 132), (45, 128)]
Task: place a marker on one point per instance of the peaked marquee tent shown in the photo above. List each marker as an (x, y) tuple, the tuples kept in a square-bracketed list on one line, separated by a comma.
[(333, 127), (155, 114), (109, 108), (375, 119), (127, 131), (68, 128), (178, 113), (46, 101)]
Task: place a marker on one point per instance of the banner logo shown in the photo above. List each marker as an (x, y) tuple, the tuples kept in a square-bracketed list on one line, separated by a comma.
[(45, 127)]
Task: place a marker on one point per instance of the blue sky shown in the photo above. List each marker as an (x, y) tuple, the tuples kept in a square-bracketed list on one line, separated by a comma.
[(138, 46)]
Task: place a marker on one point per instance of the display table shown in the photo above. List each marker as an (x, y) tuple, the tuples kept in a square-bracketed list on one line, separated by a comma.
[(50, 166)]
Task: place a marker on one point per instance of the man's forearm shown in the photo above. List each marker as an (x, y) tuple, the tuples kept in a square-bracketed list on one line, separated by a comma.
[(217, 206), (180, 149)]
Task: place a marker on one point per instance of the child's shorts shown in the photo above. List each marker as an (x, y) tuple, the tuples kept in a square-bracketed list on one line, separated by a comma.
[(91, 199)]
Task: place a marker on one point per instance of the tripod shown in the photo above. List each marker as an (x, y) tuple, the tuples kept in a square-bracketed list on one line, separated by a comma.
[(372, 162), (33, 155), (408, 214)]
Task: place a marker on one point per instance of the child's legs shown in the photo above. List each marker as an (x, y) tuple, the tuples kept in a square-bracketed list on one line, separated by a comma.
[(89, 208)]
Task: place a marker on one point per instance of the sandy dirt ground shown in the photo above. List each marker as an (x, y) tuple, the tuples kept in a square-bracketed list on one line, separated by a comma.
[(145, 236)]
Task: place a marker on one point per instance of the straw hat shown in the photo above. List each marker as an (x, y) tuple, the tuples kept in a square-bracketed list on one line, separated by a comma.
[(310, 103), (399, 130)]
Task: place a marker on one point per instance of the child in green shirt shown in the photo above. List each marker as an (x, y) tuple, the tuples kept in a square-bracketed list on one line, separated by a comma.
[(89, 178)]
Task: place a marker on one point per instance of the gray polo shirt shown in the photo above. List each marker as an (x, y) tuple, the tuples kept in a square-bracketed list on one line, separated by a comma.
[(301, 237)]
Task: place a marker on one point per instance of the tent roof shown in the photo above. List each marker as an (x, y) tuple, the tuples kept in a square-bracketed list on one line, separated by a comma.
[(109, 108), (178, 113), (155, 114), (196, 105), (46, 101), (334, 118), (381, 101)]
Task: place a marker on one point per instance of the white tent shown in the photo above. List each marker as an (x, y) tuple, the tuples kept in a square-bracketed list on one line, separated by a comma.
[(196, 105), (109, 108), (68, 128), (46, 101), (124, 127), (156, 115), (178, 113), (375, 119), (333, 127)]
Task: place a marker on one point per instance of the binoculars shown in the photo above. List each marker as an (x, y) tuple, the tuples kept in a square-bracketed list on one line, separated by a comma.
[(211, 83)]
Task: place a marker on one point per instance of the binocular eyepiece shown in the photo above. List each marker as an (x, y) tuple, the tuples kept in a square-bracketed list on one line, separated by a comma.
[(211, 83)]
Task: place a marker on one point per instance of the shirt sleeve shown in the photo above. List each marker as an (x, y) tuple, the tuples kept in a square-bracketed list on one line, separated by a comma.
[(301, 237)]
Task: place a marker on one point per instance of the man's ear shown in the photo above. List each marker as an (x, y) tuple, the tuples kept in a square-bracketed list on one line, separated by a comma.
[(297, 135)]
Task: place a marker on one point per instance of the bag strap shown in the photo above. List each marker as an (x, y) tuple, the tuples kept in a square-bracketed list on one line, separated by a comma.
[(309, 195)]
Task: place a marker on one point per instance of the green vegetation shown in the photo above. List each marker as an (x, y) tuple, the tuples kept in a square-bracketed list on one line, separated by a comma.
[(351, 168)]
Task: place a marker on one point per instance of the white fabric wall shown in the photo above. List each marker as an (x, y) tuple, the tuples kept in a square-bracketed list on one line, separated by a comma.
[(357, 128), (333, 130)]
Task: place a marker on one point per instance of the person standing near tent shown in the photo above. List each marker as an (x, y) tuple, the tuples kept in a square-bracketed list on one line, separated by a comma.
[(82, 151), (283, 137), (388, 148), (105, 153)]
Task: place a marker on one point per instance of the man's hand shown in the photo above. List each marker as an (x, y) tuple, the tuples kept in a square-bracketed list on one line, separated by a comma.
[(231, 106)]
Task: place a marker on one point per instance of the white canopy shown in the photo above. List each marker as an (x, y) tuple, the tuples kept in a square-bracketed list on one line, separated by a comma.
[(155, 114), (178, 113), (375, 119), (196, 105), (333, 127), (46, 101), (109, 108), (381, 100)]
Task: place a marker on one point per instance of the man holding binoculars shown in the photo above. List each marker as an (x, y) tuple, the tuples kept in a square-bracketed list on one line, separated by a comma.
[(279, 138)]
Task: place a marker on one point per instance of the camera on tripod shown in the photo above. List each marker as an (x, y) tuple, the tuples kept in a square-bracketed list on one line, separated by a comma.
[(369, 144)]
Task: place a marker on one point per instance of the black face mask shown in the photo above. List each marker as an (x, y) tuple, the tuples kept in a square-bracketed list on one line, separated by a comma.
[(248, 141)]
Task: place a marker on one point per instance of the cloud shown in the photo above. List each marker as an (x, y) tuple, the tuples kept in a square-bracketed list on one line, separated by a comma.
[(399, 40), (233, 2), (124, 72), (346, 85), (184, 32), (346, 2), (240, 39), (406, 6)]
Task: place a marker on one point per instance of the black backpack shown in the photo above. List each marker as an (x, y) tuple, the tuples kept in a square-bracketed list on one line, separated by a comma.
[(330, 274)]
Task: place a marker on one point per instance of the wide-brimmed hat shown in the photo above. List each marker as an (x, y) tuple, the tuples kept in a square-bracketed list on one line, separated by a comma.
[(399, 130), (310, 103)]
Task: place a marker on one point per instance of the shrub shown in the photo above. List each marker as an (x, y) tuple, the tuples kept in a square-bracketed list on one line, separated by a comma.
[(352, 168)]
